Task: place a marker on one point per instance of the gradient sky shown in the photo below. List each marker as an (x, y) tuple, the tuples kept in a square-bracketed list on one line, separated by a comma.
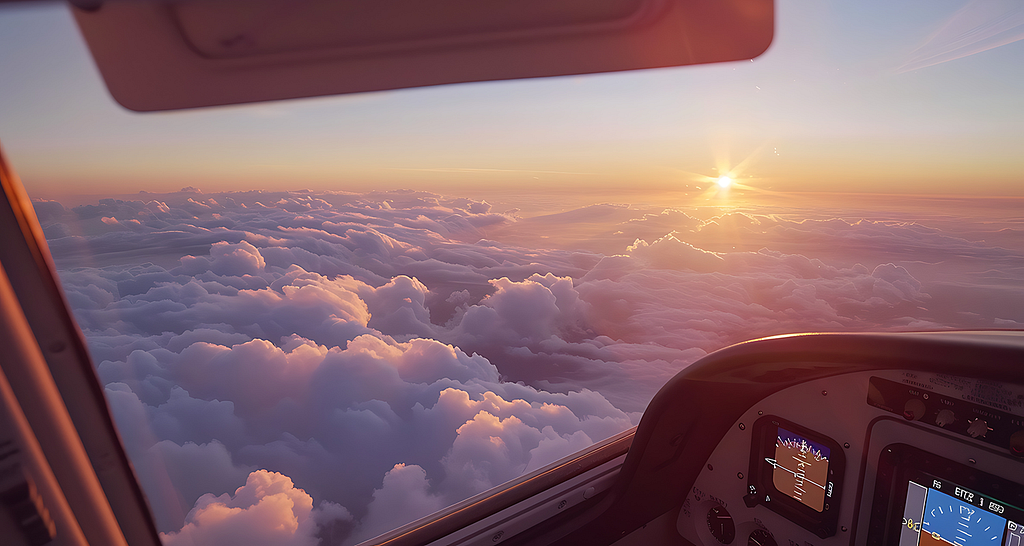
[(851, 97)]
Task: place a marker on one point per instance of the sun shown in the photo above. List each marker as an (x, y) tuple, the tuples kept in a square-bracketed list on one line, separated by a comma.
[(724, 182)]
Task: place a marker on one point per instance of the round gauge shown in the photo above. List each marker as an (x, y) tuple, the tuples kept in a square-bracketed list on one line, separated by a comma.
[(760, 537), (721, 525)]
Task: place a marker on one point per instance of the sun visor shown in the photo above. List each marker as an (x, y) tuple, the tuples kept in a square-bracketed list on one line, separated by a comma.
[(192, 53)]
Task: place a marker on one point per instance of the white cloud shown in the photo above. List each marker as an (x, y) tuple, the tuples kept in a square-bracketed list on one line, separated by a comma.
[(378, 354)]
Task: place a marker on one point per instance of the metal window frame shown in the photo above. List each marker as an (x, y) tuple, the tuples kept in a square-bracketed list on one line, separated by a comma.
[(54, 382)]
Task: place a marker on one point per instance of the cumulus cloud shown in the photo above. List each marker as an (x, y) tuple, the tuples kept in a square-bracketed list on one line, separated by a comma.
[(404, 496), (267, 511), (300, 368)]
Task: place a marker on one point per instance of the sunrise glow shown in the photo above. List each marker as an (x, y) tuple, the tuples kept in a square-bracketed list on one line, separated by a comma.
[(318, 320)]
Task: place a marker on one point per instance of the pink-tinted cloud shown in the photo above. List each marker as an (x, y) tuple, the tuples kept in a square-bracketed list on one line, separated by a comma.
[(334, 365), (267, 511)]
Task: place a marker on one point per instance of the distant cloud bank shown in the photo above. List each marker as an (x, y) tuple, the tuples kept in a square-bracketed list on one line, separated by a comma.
[(298, 368)]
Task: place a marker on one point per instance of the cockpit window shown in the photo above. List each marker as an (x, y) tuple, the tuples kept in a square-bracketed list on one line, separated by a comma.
[(319, 320)]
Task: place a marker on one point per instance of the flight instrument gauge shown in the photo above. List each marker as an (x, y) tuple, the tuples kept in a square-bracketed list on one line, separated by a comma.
[(797, 473), (923, 499)]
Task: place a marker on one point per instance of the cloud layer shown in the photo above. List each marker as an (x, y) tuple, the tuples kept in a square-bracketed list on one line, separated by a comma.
[(317, 369)]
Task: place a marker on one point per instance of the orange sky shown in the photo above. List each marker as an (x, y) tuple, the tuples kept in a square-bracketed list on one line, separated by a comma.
[(836, 104)]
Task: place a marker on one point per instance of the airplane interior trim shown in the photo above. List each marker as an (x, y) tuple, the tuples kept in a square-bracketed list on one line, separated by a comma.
[(820, 383), (57, 359)]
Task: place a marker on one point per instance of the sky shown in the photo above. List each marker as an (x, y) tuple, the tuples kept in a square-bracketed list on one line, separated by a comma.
[(909, 97)]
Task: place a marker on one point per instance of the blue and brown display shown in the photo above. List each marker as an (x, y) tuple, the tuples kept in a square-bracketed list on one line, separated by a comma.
[(922, 499), (800, 468), (942, 513), (797, 473)]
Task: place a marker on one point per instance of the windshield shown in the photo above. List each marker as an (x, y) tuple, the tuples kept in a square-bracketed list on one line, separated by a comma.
[(318, 320)]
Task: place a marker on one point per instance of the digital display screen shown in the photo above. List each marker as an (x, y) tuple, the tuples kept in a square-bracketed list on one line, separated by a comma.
[(800, 469), (797, 473), (924, 499), (938, 512)]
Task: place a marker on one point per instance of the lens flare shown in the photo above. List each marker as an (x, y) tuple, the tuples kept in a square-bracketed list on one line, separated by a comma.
[(724, 182)]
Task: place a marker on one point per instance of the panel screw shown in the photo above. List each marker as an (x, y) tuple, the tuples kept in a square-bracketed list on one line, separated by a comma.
[(739, 475), (846, 445), (497, 536), (824, 393), (743, 427), (710, 467), (562, 504)]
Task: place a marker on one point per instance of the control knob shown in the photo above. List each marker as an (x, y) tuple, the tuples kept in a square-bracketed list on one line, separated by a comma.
[(1017, 443), (913, 410), (945, 417), (977, 428)]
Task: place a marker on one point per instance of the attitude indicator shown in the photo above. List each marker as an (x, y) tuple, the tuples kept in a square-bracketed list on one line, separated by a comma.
[(800, 469)]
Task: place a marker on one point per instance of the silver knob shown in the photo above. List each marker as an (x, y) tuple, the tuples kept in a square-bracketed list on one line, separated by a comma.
[(944, 418), (977, 428)]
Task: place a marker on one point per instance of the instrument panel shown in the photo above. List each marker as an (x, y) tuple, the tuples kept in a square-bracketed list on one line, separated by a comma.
[(880, 457)]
